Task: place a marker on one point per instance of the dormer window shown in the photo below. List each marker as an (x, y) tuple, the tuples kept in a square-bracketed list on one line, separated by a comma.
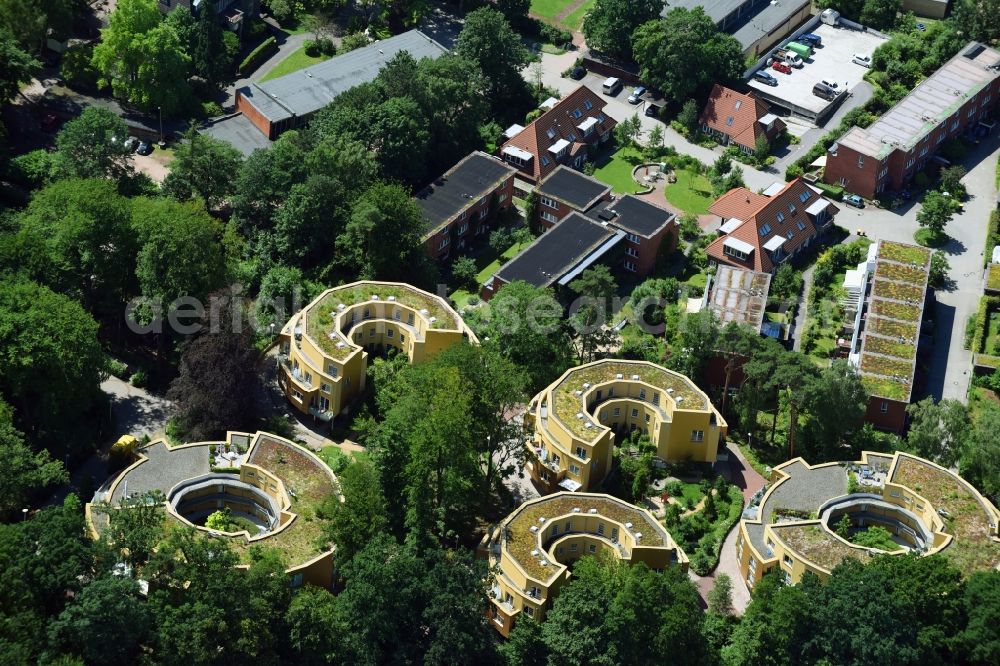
[(551, 133), (765, 230), (577, 113), (587, 104), (791, 208), (781, 217), (729, 121), (739, 103), (804, 197)]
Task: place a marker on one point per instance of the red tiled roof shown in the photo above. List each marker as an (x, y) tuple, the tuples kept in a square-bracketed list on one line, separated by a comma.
[(761, 212), (561, 121), (744, 110)]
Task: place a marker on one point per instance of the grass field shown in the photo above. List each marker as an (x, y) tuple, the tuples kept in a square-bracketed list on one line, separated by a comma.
[(293, 63), (692, 192), (617, 170), (462, 296), (550, 10)]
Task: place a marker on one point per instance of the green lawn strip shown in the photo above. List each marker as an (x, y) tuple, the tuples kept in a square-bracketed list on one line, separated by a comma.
[(993, 280), (901, 273), (692, 192), (892, 329), (549, 9), (297, 60), (574, 19), (616, 171)]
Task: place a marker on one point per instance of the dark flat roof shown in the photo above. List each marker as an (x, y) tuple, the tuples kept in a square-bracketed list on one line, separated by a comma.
[(572, 187), (574, 241), (634, 215), (309, 90), (238, 131), (474, 177)]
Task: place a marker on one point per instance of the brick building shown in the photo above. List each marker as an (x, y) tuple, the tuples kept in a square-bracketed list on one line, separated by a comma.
[(461, 205), (561, 135), (564, 191), (951, 102), (759, 232), (739, 119)]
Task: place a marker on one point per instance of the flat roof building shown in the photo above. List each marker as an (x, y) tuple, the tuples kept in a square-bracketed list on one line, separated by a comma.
[(577, 419), (756, 24), (738, 295), (460, 205), (533, 547), (289, 101), (892, 150)]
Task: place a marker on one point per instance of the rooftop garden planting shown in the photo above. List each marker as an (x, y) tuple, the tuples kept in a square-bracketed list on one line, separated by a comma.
[(967, 518), (886, 388), (900, 272), (890, 347), (892, 329), (815, 544), (907, 254), (883, 365), (898, 290), (895, 310), (319, 318), (568, 404), (521, 540)]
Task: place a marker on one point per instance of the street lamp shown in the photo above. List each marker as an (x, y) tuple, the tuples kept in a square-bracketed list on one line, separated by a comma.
[(160, 109), (24, 514)]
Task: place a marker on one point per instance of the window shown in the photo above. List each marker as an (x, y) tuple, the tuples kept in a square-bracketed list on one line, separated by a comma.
[(551, 133), (632, 238), (571, 136), (402, 339), (581, 453), (297, 394), (614, 535), (529, 611), (656, 398), (324, 387), (592, 548), (324, 403), (885, 407), (923, 151), (791, 208), (940, 137), (739, 103), (647, 418), (555, 530), (462, 229), (635, 412), (611, 392), (332, 371), (587, 104), (804, 197), (572, 546), (801, 225), (733, 252), (577, 113), (502, 197), (309, 378), (632, 252), (618, 411), (729, 121), (781, 217), (548, 217), (444, 242), (371, 333), (390, 333), (909, 163), (697, 435), (629, 266), (574, 469), (549, 203), (642, 394), (861, 161), (765, 230), (789, 234), (483, 213), (546, 161), (954, 126)]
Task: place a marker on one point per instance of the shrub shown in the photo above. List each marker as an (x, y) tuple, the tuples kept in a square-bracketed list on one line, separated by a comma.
[(258, 55), (139, 378), (322, 46), (34, 169), (793, 171), (211, 109), (353, 41), (116, 367), (553, 35)]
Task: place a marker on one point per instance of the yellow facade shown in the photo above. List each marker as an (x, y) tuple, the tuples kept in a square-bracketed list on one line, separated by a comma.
[(531, 548), (323, 352), (576, 417), (947, 516)]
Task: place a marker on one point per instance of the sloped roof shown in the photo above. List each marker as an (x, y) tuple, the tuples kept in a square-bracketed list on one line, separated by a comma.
[(765, 219), (559, 124), (736, 115)]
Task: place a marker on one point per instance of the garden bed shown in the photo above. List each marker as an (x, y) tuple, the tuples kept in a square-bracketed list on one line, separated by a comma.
[(884, 365), (890, 347), (893, 329), (900, 311), (906, 254), (901, 273)]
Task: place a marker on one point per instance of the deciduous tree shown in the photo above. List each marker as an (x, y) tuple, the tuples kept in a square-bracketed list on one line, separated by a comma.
[(609, 24), (488, 40), (23, 472), (203, 166), (93, 146)]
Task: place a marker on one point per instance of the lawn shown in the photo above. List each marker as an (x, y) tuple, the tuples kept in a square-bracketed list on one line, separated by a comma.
[(550, 9), (574, 19), (293, 63), (616, 170), (692, 192), (462, 296)]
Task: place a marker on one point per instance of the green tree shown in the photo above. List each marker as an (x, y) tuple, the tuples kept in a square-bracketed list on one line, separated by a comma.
[(937, 430), (93, 146), (951, 181), (880, 14), (384, 211), (18, 66), (465, 272), (142, 58), (609, 24), (526, 645), (31, 21), (48, 351), (655, 139), (488, 40), (936, 212), (978, 19), (203, 166), (85, 226), (23, 472), (315, 627), (685, 52), (628, 130), (980, 460), (720, 598), (761, 149), (688, 116), (514, 10), (134, 527), (395, 131), (786, 283), (698, 335), (361, 515), (590, 312), (978, 642), (179, 253), (107, 622), (836, 401), (265, 179), (209, 56)]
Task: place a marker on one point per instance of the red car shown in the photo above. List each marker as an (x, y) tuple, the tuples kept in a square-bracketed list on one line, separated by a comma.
[(781, 67)]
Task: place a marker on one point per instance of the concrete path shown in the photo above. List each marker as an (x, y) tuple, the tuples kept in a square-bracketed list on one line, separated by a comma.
[(802, 309), (287, 44)]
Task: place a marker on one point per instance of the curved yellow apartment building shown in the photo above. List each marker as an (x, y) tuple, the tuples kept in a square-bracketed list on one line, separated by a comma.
[(576, 418), (531, 548), (324, 348), (926, 508)]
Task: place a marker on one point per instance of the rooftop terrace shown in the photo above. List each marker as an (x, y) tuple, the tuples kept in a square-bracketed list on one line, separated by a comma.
[(673, 384), (520, 540)]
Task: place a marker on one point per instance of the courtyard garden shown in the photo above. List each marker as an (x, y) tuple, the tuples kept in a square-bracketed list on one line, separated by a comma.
[(297, 60), (699, 516), (566, 14), (691, 191)]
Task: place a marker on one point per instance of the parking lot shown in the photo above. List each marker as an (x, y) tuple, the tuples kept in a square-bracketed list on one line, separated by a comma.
[(830, 62)]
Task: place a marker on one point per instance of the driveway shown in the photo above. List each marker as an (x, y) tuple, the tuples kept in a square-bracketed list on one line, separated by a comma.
[(287, 44), (949, 372), (860, 94)]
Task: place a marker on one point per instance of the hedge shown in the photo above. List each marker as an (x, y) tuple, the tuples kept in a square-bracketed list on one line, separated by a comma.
[(986, 304), (721, 531), (835, 192), (257, 57), (992, 236)]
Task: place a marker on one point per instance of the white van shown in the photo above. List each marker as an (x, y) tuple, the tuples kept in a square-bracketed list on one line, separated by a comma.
[(611, 86)]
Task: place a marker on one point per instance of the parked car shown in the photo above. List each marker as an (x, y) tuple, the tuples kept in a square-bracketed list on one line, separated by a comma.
[(131, 144), (781, 67), (921, 27), (765, 77), (863, 60), (611, 86), (824, 91), (854, 200), (578, 72), (144, 148), (789, 57), (636, 95), (830, 84), (652, 111), (811, 39)]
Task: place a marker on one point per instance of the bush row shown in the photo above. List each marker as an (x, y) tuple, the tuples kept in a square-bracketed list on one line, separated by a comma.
[(256, 57), (987, 304)]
